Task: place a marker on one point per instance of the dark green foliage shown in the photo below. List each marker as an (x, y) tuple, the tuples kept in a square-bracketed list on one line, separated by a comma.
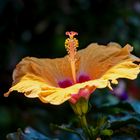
[(29, 134), (111, 121)]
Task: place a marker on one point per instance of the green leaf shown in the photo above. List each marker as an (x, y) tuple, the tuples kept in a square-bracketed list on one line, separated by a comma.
[(106, 132), (136, 106), (66, 129), (129, 117)]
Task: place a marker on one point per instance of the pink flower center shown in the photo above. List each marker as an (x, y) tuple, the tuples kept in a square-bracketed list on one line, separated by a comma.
[(83, 78), (67, 82), (83, 92)]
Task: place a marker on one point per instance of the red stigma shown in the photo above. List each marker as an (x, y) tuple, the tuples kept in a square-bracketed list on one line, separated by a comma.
[(71, 34)]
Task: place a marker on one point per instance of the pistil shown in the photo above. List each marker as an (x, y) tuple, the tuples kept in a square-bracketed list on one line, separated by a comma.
[(71, 45)]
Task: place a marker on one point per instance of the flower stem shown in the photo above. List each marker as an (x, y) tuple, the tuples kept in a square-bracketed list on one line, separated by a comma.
[(83, 121), (84, 126)]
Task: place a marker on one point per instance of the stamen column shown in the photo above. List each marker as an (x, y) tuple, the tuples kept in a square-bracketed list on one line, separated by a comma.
[(71, 45)]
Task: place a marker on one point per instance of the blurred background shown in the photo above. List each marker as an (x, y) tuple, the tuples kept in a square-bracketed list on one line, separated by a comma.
[(37, 28)]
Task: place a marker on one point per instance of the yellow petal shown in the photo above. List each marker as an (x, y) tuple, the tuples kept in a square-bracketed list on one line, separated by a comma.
[(31, 86), (63, 94), (35, 87), (126, 69)]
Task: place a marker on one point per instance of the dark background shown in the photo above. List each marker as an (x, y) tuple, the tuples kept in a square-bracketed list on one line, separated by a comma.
[(37, 28)]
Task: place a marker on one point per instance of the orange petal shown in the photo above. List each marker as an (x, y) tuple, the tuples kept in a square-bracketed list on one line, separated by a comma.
[(39, 77), (50, 70), (96, 59)]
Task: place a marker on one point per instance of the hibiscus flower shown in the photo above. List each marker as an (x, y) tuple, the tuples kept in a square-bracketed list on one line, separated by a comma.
[(77, 74)]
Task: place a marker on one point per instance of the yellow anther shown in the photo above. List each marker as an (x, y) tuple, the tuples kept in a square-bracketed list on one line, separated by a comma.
[(71, 42), (71, 45)]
